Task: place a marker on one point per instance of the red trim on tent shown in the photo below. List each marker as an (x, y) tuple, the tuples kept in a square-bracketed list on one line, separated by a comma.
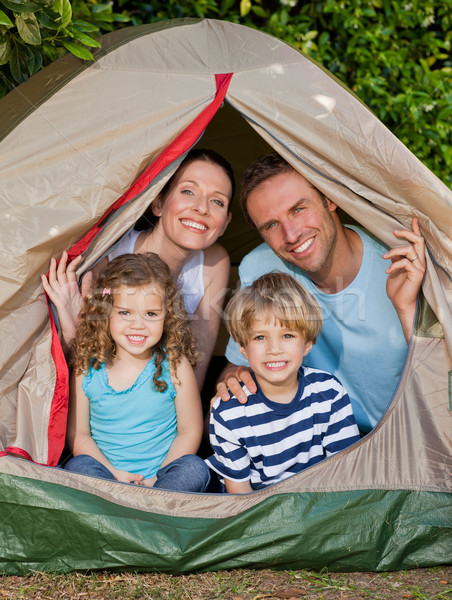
[(16, 451), (183, 143), (56, 433), (179, 146)]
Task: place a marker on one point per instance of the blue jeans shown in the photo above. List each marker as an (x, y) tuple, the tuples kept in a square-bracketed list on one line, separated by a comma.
[(189, 473)]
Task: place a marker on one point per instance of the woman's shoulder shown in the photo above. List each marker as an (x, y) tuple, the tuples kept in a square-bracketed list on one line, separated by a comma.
[(215, 254), (216, 266)]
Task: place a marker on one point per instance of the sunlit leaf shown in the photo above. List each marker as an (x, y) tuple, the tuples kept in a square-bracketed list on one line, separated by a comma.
[(310, 35), (84, 26), (245, 7), (28, 28), (259, 11), (64, 8), (85, 39), (120, 18), (5, 20), (78, 50)]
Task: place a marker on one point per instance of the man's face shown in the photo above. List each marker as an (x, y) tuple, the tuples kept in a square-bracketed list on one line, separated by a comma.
[(291, 217)]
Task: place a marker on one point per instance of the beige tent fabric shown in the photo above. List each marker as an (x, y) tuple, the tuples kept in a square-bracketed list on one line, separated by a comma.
[(401, 453), (64, 162)]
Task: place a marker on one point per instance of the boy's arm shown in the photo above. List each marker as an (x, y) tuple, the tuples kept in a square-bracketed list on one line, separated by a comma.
[(231, 459), (342, 430), (238, 487), (189, 414), (79, 437)]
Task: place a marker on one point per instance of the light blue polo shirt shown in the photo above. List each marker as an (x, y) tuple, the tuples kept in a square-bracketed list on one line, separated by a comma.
[(362, 341)]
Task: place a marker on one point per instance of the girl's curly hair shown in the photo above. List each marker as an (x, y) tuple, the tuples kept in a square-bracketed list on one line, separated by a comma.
[(93, 344)]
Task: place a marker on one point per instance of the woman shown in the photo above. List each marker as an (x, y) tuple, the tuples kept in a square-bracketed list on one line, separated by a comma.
[(188, 216)]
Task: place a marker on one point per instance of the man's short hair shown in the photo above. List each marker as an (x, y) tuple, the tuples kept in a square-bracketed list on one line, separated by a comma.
[(282, 296), (266, 166)]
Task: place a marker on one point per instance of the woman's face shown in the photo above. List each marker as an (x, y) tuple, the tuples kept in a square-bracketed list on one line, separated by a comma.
[(195, 212)]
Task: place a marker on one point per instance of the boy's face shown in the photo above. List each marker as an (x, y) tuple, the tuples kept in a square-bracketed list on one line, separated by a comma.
[(275, 353)]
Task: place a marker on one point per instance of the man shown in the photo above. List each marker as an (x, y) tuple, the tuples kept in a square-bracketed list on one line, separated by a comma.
[(368, 309)]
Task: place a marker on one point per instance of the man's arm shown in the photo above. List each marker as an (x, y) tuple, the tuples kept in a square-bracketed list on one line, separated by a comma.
[(406, 273), (229, 383)]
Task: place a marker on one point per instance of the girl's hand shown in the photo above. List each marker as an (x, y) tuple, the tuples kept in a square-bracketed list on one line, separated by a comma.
[(406, 273), (150, 482), (127, 477), (62, 288)]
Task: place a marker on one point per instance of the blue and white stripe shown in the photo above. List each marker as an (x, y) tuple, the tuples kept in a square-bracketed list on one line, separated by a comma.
[(265, 441)]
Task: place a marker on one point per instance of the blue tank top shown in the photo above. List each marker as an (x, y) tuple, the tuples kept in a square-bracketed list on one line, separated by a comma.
[(133, 428)]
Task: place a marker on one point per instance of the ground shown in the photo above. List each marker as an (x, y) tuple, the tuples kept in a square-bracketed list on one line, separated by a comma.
[(242, 584)]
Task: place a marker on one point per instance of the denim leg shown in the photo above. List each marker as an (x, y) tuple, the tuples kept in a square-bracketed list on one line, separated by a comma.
[(189, 473), (87, 465)]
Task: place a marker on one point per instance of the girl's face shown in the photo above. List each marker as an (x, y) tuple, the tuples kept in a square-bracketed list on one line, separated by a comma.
[(195, 212), (136, 321)]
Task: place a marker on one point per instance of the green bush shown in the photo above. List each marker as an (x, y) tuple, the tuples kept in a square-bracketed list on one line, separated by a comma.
[(33, 33), (394, 55)]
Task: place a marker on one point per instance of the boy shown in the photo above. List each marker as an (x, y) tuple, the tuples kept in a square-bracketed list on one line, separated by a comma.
[(298, 415)]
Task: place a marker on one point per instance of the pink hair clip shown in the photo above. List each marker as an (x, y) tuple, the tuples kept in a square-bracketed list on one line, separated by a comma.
[(106, 291)]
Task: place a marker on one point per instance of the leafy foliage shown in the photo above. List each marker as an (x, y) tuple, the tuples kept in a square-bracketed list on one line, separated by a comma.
[(33, 33), (394, 55)]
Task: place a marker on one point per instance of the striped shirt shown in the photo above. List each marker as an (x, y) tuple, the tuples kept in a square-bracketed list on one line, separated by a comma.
[(265, 441)]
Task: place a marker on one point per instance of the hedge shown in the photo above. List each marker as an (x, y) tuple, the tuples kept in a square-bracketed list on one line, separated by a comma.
[(394, 55)]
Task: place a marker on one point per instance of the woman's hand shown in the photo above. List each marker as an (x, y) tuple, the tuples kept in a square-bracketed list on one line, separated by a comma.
[(62, 288), (406, 273)]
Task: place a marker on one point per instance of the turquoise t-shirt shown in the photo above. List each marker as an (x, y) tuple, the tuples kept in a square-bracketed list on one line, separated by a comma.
[(362, 341), (133, 428)]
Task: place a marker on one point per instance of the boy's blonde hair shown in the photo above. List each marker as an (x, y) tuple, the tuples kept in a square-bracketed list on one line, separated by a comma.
[(279, 294), (93, 344)]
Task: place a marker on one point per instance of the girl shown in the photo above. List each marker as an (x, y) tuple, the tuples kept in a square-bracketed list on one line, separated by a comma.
[(183, 224), (135, 412)]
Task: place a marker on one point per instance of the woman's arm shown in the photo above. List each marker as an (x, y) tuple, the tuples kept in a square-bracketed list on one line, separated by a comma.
[(208, 315), (62, 288), (188, 412), (79, 433)]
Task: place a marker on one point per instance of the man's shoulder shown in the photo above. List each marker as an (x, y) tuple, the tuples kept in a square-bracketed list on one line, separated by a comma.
[(261, 252), (312, 375), (369, 239), (263, 260)]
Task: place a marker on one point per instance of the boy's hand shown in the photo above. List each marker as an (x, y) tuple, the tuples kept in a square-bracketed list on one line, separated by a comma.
[(230, 382)]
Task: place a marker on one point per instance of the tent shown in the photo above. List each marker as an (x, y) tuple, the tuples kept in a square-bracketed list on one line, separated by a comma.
[(84, 148)]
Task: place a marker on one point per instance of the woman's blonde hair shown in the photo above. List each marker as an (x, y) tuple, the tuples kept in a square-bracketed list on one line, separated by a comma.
[(93, 344), (279, 294)]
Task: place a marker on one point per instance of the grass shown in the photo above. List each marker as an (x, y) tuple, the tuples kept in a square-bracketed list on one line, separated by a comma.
[(241, 584)]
